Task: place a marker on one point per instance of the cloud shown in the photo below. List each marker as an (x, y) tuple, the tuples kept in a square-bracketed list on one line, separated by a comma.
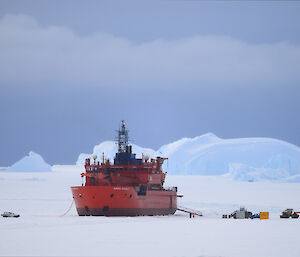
[(32, 54)]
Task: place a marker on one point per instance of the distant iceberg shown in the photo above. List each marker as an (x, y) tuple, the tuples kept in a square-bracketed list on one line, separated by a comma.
[(210, 155), (247, 159), (31, 163)]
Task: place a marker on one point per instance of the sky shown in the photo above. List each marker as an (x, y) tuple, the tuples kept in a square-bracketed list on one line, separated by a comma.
[(70, 71)]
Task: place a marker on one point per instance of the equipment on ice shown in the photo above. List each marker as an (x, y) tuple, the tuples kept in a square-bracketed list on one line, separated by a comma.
[(242, 213)]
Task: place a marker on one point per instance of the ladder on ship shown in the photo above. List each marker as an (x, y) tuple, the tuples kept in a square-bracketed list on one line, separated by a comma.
[(188, 210)]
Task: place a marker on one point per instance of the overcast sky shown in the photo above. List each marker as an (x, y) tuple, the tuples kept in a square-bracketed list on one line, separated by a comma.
[(71, 70)]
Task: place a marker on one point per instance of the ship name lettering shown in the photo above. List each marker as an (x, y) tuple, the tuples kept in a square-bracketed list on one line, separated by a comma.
[(121, 188)]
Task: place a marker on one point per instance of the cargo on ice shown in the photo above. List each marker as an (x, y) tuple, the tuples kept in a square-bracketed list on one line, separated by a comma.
[(126, 187)]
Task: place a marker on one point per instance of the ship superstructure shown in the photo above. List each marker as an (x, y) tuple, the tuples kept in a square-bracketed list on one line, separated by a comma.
[(127, 187)]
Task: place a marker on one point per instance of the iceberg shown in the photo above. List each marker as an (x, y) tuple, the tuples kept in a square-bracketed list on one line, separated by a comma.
[(210, 155), (31, 163), (246, 159)]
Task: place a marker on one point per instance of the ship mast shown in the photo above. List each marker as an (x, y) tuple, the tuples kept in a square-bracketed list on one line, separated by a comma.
[(122, 138)]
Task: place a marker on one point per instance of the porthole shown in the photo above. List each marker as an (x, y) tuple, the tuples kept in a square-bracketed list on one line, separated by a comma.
[(112, 195), (130, 195)]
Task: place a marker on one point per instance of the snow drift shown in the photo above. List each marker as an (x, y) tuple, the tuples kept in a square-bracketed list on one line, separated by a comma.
[(31, 163), (247, 159)]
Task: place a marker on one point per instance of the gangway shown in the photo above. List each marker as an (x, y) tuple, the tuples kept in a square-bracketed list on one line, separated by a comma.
[(188, 210)]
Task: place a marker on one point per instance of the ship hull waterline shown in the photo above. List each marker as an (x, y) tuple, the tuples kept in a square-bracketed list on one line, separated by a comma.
[(123, 201)]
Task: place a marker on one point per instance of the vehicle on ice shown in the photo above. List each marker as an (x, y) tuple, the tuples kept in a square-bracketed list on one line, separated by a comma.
[(255, 216), (8, 214), (289, 213)]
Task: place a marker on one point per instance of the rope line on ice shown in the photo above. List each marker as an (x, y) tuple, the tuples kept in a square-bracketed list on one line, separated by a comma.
[(68, 209)]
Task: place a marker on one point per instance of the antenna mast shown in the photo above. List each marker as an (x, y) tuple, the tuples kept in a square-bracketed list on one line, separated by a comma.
[(122, 138)]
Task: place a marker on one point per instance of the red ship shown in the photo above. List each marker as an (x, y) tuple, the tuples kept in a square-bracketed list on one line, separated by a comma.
[(127, 187)]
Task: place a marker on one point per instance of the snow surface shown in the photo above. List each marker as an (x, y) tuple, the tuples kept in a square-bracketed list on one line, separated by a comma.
[(31, 163), (246, 159), (41, 199)]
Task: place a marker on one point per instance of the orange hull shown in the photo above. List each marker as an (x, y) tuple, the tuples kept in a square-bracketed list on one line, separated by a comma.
[(122, 201)]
